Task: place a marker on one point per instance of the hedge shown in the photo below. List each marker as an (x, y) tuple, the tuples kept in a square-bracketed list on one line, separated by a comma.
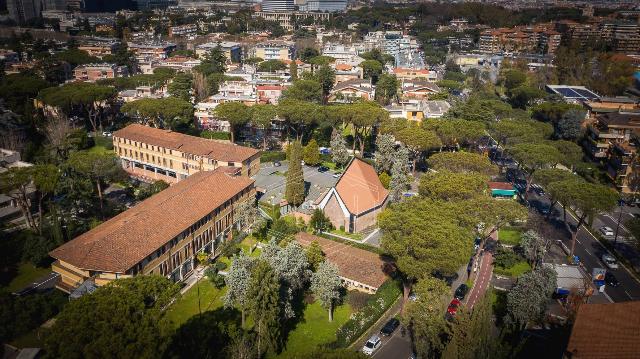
[(362, 320), (271, 156)]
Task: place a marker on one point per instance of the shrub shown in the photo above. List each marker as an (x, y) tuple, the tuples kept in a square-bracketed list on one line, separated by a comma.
[(216, 278), (220, 266), (213, 135), (506, 258), (360, 321), (272, 156)]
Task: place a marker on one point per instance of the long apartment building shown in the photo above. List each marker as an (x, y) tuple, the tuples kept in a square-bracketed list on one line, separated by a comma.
[(155, 154), (161, 236), (523, 39)]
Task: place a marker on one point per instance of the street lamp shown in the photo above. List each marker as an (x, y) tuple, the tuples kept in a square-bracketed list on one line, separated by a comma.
[(615, 239)]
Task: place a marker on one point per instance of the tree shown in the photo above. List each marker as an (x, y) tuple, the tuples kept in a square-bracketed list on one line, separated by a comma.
[(315, 255), (294, 190), (400, 177), (311, 153), (452, 186), (371, 70), (99, 167), (247, 216), (512, 78), (87, 98), (293, 70), (169, 112), (462, 162), (307, 53), (123, 319), (326, 285), (363, 117), (471, 332), (326, 77), (387, 89), (19, 183), (523, 96), (214, 62), (534, 156), (456, 132), (300, 116), (423, 238), (569, 126), (238, 280), (417, 141), (571, 153), (527, 300), (319, 222), (304, 90), (633, 225), (271, 66), (264, 306), (534, 247), (180, 86), (236, 113), (586, 199), (425, 316), (291, 265), (261, 117), (546, 176), (339, 151), (385, 152)]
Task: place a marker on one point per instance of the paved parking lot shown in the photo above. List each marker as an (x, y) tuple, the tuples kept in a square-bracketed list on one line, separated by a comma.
[(272, 180)]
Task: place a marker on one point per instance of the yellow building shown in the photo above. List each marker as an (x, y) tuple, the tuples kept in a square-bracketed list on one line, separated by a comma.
[(275, 50), (161, 235), (155, 154)]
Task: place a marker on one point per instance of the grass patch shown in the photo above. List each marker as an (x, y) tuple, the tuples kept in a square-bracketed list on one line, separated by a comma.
[(514, 271), (314, 329), (104, 142), (356, 236), (510, 236), (27, 273), (32, 339), (187, 305)]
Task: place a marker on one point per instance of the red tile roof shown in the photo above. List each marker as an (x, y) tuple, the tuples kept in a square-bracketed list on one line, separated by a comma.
[(121, 242), (185, 143), (359, 187), (606, 331), (353, 263)]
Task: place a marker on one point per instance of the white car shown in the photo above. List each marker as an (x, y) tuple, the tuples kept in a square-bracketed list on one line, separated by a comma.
[(372, 345), (609, 261), (606, 231)]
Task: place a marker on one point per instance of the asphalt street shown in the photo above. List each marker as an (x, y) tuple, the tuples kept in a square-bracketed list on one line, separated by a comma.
[(590, 252)]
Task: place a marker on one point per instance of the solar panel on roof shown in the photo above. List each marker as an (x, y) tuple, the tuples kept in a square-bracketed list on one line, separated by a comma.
[(586, 93), (567, 92)]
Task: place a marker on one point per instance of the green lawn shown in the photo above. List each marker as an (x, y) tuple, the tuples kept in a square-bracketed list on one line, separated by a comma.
[(27, 273), (515, 271), (510, 236), (314, 329), (356, 236), (187, 305), (99, 149)]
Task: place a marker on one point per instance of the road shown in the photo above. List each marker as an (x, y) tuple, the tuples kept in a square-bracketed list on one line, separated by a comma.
[(482, 280), (397, 345), (590, 250)]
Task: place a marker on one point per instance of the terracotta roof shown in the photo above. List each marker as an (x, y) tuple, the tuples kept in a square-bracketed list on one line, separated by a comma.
[(185, 143), (359, 187), (269, 87), (121, 242), (358, 84), (606, 331), (500, 185), (353, 263), (343, 67)]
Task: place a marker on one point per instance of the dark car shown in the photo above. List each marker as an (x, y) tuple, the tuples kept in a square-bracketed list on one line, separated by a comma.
[(391, 325), (323, 169), (611, 280), (461, 292)]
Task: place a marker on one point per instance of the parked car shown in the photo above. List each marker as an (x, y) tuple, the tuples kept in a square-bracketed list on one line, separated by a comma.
[(611, 280), (337, 175), (476, 243), (276, 164), (106, 134), (453, 306), (323, 169), (372, 345), (461, 292), (390, 327), (610, 261), (413, 297), (606, 231)]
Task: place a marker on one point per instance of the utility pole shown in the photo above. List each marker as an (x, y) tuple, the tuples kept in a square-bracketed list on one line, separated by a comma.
[(615, 238)]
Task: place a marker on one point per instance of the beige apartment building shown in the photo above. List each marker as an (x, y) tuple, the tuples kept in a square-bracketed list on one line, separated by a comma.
[(94, 72), (275, 50), (161, 236), (154, 154)]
